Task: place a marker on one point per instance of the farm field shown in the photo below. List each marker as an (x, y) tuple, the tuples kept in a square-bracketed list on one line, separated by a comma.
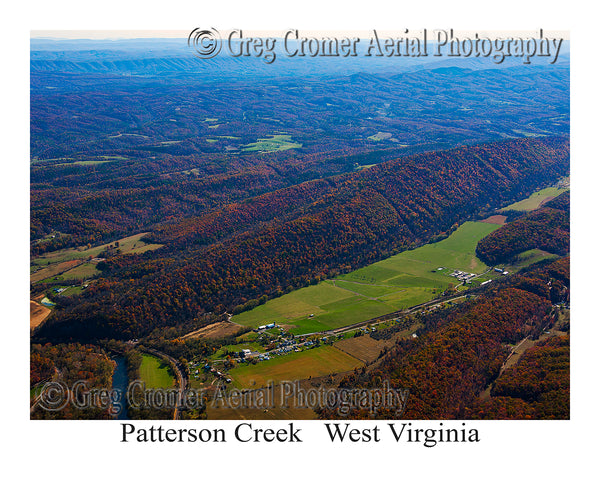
[(67, 271), (314, 362), (214, 330), (72, 264), (155, 373), (131, 244), (409, 278), (366, 348), (363, 348), (536, 199), (82, 272), (84, 162), (53, 270), (275, 143), (37, 314)]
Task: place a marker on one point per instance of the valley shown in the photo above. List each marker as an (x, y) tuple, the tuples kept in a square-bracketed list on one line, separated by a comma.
[(232, 231)]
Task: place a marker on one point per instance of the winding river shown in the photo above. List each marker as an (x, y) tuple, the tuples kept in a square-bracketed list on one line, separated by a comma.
[(120, 383)]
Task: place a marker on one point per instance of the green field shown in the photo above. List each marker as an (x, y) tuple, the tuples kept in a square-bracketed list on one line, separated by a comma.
[(380, 136), (85, 162), (82, 272), (530, 257), (72, 291), (536, 198), (155, 373), (274, 144), (216, 138), (314, 362), (409, 278)]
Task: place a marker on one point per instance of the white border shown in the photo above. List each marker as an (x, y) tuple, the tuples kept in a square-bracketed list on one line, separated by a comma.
[(508, 449)]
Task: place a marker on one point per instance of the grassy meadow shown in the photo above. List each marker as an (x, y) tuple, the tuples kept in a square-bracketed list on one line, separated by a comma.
[(275, 143), (535, 199), (314, 362), (155, 373), (406, 279)]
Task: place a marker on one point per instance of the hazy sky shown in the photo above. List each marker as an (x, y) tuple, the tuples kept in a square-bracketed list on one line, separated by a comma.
[(124, 34), (108, 34)]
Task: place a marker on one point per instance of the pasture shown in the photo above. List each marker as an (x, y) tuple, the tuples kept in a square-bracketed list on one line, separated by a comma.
[(73, 263), (530, 257), (275, 143), (364, 347), (155, 373), (37, 314), (295, 366), (38, 274), (536, 199), (409, 278), (131, 244)]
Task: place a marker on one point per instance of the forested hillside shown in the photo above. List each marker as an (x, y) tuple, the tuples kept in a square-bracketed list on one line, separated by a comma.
[(114, 155), (546, 228), (537, 387), (459, 353), (236, 258), (67, 364)]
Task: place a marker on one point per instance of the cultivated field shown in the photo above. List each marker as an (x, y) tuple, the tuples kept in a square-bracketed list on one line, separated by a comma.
[(215, 330), (401, 281), (364, 347), (496, 219), (37, 314), (82, 272), (131, 244), (314, 362), (68, 264), (53, 270)]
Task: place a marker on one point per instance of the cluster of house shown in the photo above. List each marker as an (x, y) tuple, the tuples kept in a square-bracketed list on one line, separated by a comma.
[(283, 347), (368, 329), (195, 367), (500, 270), (463, 276)]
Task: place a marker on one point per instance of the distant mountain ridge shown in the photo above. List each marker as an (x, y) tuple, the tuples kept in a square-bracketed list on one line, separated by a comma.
[(152, 56)]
